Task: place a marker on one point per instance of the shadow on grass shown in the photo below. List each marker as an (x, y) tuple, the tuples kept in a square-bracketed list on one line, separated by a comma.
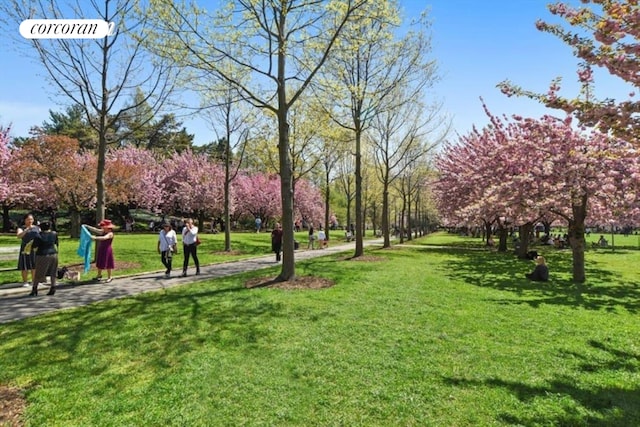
[(607, 405), (153, 331), (504, 271)]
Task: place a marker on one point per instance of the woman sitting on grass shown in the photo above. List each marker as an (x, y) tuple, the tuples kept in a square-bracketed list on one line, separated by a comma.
[(541, 272)]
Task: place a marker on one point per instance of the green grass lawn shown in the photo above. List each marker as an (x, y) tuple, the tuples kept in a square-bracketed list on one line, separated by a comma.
[(421, 336)]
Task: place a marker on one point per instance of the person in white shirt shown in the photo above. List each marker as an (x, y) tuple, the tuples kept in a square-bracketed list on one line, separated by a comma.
[(167, 246), (322, 238), (190, 245)]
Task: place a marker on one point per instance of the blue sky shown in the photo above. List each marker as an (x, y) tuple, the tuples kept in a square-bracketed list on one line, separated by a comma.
[(476, 44)]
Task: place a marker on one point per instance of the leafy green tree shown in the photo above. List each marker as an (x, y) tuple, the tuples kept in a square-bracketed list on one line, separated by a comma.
[(367, 67), (139, 128), (280, 45), (401, 135), (72, 123)]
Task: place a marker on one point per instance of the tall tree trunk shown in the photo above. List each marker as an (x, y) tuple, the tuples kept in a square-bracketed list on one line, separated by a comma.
[(409, 216), (359, 220), (418, 214), (327, 193), (201, 217), (576, 240), (100, 188), (288, 271), (374, 217), (503, 233), (75, 220), (385, 217), (227, 196), (101, 196), (487, 230), (403, 217), (347, 224), (525, 233)]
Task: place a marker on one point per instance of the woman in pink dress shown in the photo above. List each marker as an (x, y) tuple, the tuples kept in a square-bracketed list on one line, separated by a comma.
[(104, 253)]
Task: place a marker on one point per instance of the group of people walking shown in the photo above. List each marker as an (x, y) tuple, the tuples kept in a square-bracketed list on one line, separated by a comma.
[(38, 254), (168, 246), (39, 250)]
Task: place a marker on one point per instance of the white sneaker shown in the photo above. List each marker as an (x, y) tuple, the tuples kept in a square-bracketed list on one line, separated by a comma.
[(26, 285)]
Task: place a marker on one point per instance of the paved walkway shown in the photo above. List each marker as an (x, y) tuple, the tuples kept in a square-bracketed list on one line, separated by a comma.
[(15, 304)]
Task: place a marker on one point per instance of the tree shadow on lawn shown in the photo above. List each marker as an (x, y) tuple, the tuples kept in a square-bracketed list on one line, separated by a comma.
[(615, 406), (504, 271), (167, 325)]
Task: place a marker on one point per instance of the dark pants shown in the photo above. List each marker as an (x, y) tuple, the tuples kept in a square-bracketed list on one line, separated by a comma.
[(277, 248), (46, 265), (190, 250), (167, 259)]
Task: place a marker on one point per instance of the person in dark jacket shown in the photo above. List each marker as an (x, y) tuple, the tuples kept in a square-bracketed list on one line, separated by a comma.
[(276, 240), (541, 272), (46, 244)]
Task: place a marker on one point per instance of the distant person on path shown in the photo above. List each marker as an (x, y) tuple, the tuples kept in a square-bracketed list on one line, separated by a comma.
[(258, 224), (104, 253), (167, 246), (128, 225), (189, 246), (541, 272), (46, 244), (322, 238), (27, 258), (312, 237), (276, 240)]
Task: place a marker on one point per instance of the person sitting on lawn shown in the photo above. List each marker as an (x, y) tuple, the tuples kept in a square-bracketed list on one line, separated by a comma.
[(541, 272), (602, 241)]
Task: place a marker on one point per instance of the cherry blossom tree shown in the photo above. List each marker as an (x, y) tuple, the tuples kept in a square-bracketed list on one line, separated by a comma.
[(605, 34), (5, 157), (9, 185), (466, 183), (258, 195), (308, 203), (58, 175), (537, 166), (193, 185), (134, 177)]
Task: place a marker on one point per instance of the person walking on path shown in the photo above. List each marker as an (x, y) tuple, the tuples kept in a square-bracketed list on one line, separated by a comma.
[(322, 238), (104, 253), (167, 246), (312, 237), (27, 258), (46, 259), (276, 240), (190, 246)]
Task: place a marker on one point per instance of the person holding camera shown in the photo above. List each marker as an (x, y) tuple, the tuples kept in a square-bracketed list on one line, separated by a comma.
[(27, 259), (190, 246), (167, 246)]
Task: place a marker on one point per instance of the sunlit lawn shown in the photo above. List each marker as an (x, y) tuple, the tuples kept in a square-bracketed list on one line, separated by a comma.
[(419, 336)]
